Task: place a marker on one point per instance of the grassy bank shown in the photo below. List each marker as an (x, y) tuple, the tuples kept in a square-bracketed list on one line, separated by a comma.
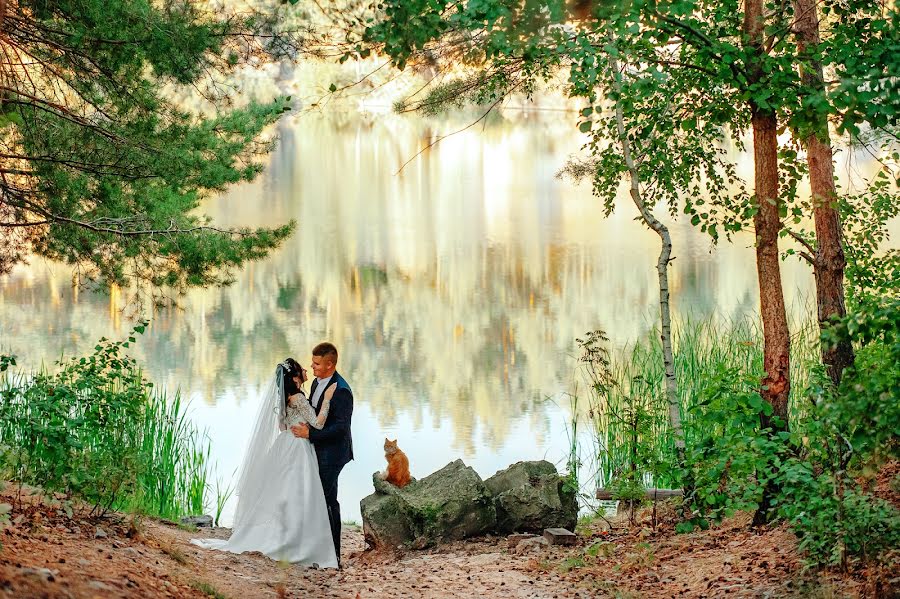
[(818, 471), (626, 390), (94, 429)]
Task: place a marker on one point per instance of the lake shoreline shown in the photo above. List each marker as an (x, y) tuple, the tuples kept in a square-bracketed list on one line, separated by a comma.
[(45, 553)]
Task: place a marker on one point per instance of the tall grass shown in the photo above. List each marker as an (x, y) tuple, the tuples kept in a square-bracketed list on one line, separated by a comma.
[(703, 349), (177, 455)]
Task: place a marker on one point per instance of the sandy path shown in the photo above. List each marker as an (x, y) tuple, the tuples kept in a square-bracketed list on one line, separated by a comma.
[(481, 568)]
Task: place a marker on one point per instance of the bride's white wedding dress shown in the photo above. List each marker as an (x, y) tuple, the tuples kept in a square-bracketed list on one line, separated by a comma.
[(281, 508)]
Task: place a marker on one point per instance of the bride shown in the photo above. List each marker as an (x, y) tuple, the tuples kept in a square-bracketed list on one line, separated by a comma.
[(281, 508)]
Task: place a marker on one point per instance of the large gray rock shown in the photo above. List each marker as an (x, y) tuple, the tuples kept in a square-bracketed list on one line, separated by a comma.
[(452, 503), (386, 522), (531, 496)]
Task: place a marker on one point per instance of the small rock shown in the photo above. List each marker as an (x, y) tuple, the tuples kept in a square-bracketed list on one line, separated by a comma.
[(204, 521), (99, 586), (512, 541), (100, 533), (83, 562), (532, 545), (45, 574)]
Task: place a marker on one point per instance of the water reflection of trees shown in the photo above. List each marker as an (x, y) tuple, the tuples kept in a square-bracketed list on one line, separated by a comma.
[(458, 285)]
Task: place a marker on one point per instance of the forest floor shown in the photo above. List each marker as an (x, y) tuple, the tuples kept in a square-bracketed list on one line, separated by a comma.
[(45, 553)]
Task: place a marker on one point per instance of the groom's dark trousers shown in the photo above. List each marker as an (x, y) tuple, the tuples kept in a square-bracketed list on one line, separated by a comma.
[(329, 476), (334, 448)]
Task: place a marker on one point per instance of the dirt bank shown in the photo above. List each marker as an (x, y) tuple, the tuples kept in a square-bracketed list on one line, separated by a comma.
[(48, 554)]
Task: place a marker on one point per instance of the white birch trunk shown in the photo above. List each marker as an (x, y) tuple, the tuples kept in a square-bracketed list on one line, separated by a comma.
[(662, 269)]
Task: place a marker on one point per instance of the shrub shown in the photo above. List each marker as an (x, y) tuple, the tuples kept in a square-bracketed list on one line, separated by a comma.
[(95, 430)]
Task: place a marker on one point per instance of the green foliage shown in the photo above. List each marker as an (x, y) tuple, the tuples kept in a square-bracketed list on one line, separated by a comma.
[(836, 447), (95, 430), (872, 272), (866, 407), (729, 457), (108, 169), (834, 519)]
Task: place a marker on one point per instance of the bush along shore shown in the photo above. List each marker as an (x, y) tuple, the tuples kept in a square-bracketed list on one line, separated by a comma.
[(94, 429), (823, 474)]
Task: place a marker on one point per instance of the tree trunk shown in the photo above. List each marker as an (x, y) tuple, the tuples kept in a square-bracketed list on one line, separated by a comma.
[(828, 260), (662, 271), (767, 223)]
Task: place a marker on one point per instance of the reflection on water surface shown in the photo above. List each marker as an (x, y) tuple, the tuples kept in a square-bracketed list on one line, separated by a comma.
[(454, 291)]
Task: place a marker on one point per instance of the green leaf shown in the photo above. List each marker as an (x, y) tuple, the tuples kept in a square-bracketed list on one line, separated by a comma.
[(689, 124)]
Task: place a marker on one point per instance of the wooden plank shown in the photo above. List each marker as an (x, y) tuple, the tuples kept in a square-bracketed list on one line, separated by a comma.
[(559, 536), (649, 493)]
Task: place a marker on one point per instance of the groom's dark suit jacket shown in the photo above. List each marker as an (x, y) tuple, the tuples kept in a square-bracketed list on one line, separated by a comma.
[(333, 443)]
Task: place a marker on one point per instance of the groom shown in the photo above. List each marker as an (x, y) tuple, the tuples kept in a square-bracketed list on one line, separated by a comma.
[(334, 447)]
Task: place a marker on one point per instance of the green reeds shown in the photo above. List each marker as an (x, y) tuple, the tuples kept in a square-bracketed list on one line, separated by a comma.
[(632, 382), (223, 494), (177, 457), (98, 431)]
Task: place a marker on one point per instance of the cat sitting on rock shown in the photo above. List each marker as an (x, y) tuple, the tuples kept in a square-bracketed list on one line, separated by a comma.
[(396, 475)]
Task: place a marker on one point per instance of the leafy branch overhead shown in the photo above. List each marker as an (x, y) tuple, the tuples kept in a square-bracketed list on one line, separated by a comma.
[(686, 72), (99, 167)]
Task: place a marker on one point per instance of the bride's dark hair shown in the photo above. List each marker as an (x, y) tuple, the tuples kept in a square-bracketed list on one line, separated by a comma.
[(289, 369)]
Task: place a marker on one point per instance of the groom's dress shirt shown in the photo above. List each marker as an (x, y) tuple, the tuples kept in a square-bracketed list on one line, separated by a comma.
[(320, 389)]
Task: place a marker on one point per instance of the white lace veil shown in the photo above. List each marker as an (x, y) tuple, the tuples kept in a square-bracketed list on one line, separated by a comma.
[(255, 468)]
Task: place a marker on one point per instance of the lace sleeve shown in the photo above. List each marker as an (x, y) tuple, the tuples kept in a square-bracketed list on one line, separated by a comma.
[(323, 413), (307, 411)]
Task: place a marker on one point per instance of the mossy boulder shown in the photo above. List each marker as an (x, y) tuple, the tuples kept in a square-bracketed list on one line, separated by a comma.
[(531, 496), (454, 503), (385, 521), (450, 504)]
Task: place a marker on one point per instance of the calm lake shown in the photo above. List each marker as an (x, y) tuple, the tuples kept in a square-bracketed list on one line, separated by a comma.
[(454, 291)]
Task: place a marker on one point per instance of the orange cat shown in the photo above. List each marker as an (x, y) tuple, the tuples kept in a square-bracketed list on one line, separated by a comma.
[(397, 472)]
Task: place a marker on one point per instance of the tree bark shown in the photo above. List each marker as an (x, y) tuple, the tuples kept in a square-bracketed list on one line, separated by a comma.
[(662, 271), (829, 260), (767, 222)]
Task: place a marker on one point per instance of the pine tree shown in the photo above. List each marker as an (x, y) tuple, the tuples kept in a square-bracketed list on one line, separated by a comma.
[(99, 167)]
